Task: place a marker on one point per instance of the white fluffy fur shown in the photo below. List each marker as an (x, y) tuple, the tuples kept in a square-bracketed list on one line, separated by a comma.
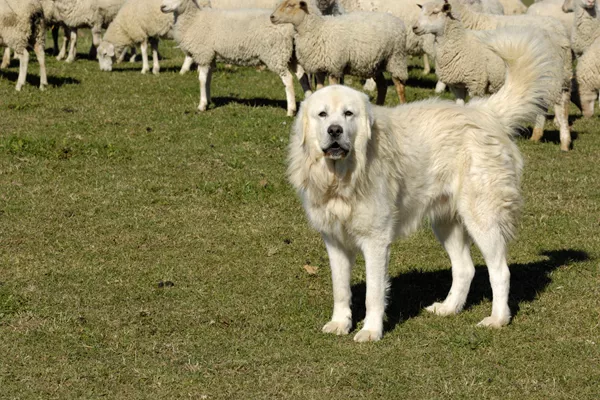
[(22, 24), (391, 167)]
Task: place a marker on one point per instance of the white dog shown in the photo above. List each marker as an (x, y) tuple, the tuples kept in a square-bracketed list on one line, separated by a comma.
[(368, 174)]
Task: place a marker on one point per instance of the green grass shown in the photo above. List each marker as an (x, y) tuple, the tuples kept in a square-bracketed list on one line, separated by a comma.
[(112, 188)]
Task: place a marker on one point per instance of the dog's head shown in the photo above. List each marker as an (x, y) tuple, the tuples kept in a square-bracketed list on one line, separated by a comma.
[(333, 123)]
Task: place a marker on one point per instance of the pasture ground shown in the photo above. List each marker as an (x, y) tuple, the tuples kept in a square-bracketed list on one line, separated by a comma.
[(147, 251)]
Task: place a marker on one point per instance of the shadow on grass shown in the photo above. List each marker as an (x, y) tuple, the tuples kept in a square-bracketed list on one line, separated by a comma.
[(412, 291), (34, 80)]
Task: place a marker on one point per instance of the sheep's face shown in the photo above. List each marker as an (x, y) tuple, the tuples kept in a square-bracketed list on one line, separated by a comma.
[(290, 12), (587, 3), (105, 55), (432, 18), (171, 6)]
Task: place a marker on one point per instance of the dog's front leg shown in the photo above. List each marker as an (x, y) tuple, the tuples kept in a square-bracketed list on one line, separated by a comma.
[(341, 259), (377, 255)]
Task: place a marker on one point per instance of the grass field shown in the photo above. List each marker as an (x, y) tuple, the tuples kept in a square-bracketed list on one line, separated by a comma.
[(147, 251)]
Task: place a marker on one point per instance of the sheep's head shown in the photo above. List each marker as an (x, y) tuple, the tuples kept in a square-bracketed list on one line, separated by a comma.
[(587, 3), (290, 12), (433, 17), (172, 6), (105, 54)]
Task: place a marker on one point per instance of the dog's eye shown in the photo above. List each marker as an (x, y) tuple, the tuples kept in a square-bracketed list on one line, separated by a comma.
[(322, 114), (348, 113)]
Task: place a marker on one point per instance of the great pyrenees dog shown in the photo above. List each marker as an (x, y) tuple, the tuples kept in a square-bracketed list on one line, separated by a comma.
[(368, 174)]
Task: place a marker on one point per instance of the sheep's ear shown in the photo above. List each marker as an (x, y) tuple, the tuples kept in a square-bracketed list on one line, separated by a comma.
[(111, 50), (303, 6), (446, 7), (420, 6)]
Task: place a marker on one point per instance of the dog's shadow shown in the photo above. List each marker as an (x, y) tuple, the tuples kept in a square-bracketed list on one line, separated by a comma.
[(411, 291)]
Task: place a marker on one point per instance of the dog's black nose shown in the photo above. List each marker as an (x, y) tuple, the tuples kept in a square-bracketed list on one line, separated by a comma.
[(335, 131)]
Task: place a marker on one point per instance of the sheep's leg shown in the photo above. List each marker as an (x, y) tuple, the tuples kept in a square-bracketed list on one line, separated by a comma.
[(72, 47), (187, 64), (426, 66), (400, 89), (320, 77), (38, 48), (460, 93), (144, 47), (133, 55), (96, 39), (369, 85), (63, 48), (538, 128), (561, 111), (155, 63), (302, 77), (334, 80), (24, 59), (5, 58), (290, 96), (204, 78), (121, 56), (55, 30), (440, 87), (381, 88)]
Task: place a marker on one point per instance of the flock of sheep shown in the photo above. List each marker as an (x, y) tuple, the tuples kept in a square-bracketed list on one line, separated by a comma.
[(322, 38)]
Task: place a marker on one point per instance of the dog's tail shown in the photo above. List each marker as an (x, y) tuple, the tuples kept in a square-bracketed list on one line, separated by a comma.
[(532, 75)]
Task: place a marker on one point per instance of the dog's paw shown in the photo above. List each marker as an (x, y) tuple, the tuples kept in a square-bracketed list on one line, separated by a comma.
[(441, 309), (365, 335), (494, 322), (337, 327)]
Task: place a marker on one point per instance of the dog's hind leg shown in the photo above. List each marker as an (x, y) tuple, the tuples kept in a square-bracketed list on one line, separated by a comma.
[(493, 248), (341, 260), (457, 243), (377, 255)]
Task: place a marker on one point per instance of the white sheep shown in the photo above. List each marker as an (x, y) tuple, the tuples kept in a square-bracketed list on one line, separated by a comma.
[(327, 7), (74, 14), (22, 24), (408, 12), (586, 24), (440, 16), (486, 6), (205, 33), (586, 82), (359, 43), (138, 22), (463, 61), (513, 7), (552, 8)]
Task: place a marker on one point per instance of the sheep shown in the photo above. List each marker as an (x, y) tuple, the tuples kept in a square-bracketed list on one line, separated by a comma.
[(205, 33), (513, 7), (74, 14), (551, 8), (22, 24), (486, 6), (327, 7), (137, 22), (586, 25), (408, 12), (439, 16), (359, 43), (463, 61), (586, 83)]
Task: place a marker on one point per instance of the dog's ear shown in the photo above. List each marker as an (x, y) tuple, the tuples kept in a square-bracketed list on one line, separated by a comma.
[(302, 123), (366, 112)]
